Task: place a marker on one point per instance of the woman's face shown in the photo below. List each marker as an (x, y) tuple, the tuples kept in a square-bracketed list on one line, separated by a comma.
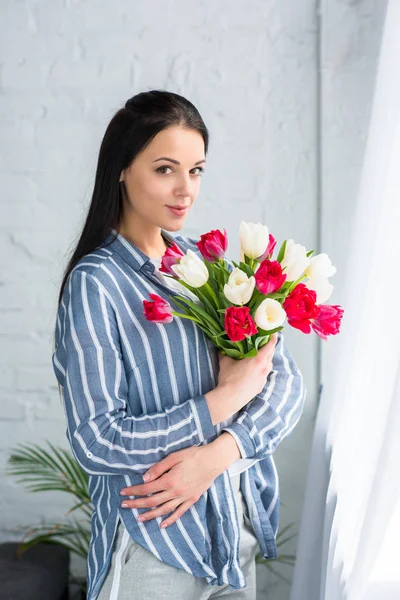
[(153, 183)]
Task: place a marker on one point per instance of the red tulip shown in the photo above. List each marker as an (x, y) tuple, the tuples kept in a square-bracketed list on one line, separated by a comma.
[(300, 307), (269, 277), (172, 256), (213, 245), (159, 311), (303, 313), (239, 323)]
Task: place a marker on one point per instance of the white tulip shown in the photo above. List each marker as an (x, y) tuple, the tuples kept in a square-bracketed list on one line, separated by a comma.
[(295, 260), (254, 239), (321, 286), (320, 266), (239, 287), (191, 269), (269, 314), (318, 271)]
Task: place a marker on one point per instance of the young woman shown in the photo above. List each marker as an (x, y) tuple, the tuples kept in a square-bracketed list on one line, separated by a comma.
[(147, 397)]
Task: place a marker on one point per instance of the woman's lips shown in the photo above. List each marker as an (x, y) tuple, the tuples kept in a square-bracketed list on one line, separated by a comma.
[(178, 211)]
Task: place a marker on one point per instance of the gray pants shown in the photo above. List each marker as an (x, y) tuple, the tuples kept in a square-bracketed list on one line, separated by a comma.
[(135, 573)]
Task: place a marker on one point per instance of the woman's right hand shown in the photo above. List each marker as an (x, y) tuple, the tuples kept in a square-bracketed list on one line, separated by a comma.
[(247, 376)]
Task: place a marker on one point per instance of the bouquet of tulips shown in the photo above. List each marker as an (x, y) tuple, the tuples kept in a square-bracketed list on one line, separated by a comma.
[(240, 306)]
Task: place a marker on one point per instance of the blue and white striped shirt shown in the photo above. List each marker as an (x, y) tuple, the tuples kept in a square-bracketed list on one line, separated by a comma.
[(133, 392)]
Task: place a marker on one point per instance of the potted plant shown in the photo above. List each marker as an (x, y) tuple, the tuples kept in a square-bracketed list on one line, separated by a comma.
[(56, 470)]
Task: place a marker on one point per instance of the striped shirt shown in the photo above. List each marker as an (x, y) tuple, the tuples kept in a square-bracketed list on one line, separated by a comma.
[(133, 392)]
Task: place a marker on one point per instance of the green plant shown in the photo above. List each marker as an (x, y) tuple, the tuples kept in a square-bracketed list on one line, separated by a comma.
[(42, 471)]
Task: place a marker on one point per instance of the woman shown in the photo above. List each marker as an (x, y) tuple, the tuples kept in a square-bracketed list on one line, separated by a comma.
[(147, 397)]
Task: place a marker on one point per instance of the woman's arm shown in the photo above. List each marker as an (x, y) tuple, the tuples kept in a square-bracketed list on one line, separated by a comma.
[(88, 365), (271, 415)]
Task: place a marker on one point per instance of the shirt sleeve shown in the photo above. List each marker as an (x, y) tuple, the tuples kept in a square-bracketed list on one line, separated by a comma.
[(104, 438), (273, 414)]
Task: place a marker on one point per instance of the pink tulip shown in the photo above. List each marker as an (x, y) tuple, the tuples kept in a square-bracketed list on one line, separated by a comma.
[(213, 245), (270, 249), (269, 277), (172, 256), (159, 311)]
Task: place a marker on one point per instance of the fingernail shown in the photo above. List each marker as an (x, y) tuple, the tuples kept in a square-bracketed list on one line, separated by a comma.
[(125, 505), (146, 477), (122, 493)]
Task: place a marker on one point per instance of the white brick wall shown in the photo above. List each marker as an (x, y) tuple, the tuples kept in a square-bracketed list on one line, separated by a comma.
[(277, 125)]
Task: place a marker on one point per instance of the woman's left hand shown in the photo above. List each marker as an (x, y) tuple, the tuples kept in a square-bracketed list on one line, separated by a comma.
[(190, 472)]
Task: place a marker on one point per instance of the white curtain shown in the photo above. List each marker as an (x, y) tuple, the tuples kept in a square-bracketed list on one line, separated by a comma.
[(352, 500)]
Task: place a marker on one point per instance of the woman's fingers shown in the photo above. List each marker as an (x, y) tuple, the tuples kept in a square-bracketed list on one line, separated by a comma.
[(161, 510), (147, 501), (182, 508)]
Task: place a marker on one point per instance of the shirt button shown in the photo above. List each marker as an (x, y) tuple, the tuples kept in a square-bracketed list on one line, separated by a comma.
[(89, 454)]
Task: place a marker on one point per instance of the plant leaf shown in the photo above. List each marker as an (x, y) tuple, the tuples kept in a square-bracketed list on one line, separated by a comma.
[(281, 253)]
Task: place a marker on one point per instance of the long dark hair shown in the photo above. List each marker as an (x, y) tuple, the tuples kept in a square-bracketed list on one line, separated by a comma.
[(130, 130)]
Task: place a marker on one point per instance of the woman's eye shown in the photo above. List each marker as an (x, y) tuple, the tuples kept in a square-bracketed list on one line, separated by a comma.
[(163, 167), (200, 169)]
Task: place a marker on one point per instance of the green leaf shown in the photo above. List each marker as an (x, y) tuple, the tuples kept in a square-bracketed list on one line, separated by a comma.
[(256, 301), (310, 252), (213, 275), (260, 339), (270, 331), (224, 301), (211, 309), (246, 269), (219, 335), (202, 313), (281, 252), (45, 472), (250, 353), (277, 295), (233, 353)]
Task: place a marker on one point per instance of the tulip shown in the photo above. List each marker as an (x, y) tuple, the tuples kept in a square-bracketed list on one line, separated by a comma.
[(270, 249), (239, 287), (269, 277), (191, 269), (318, 271), (322, 287), (328, 321), (254, 239), (320, 266), (269, 314), (158, 311), (301, 308), (172, 256), (213, 245), (295, 260), (239, 323)]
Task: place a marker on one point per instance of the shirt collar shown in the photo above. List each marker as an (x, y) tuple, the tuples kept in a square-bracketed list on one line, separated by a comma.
[(130, 253)]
